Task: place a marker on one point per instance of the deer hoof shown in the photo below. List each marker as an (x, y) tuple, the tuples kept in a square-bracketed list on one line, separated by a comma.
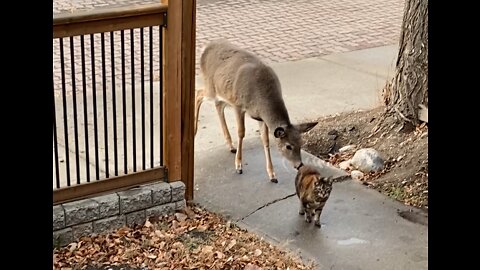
[(239, 171), (233, 150), (274, 180), (317, 223)]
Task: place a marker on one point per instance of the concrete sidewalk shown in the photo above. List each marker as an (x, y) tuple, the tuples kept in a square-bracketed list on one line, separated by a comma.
[(361, 228)]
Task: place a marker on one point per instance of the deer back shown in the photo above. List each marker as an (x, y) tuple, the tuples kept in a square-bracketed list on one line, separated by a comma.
[(241, 79)]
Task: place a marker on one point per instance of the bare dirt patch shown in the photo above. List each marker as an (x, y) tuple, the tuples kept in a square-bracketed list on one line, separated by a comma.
[(405, 177)]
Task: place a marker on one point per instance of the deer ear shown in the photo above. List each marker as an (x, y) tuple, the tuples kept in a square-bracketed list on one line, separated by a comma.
[(302, 128), (279, 132)]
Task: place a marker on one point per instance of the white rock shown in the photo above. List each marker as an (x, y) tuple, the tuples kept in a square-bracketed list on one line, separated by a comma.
[(344, 165), (356, 175), (367, 160), (347, 148)]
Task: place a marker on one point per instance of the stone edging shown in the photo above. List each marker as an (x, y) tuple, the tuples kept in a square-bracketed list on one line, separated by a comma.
[(109, 212)]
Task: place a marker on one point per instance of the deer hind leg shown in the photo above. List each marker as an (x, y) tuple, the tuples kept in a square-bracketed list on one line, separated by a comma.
[(220, 106), (240, 116), (199, 97), (266, 148)]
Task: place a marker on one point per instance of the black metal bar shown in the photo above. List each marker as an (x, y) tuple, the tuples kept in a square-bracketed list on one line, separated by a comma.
[(85, 112), (65, 123), (142, 70), (124, 102), (151, 96), (75, 120), (94, 95), (105, 116), (161, 92), (114, 104), (55, 141), (134, 137)]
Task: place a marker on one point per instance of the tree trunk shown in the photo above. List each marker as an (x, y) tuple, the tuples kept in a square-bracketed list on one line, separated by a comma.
[(408, 89)]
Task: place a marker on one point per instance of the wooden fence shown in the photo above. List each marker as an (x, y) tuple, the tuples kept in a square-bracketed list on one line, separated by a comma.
[(124, 87)]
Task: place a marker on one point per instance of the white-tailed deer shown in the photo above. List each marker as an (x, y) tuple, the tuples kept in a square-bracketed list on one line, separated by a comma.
[(235, 77)]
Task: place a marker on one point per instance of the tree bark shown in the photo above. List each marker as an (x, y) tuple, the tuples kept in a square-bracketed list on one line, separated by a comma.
[(408, 89)]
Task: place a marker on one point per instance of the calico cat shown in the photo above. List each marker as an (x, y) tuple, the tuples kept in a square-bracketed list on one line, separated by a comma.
[(313, 191)]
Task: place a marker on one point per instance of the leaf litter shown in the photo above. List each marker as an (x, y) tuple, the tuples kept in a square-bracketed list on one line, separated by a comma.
[(195, 239)]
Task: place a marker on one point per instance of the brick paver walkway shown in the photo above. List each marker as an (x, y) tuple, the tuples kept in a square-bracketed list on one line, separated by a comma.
[(279, 30)]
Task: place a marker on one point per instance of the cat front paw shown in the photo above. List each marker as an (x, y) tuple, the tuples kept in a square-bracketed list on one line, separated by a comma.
[(308, 219)]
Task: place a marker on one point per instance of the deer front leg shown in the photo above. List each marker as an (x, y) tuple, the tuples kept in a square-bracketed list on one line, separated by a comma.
[(240, 116), (266, 149), (220, 106)]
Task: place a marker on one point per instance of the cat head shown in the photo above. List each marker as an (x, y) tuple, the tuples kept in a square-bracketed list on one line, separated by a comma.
[(323, 186)]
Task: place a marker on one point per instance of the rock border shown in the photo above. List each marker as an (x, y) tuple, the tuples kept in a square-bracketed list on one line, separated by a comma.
[(106, 213)]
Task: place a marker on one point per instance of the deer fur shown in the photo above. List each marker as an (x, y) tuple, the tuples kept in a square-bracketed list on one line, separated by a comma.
[(237, 78)]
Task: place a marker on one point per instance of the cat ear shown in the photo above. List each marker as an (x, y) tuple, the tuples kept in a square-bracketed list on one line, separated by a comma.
[(328, 180)]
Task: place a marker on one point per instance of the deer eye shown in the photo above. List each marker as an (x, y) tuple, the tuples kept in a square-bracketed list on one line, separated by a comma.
[(289, 147)]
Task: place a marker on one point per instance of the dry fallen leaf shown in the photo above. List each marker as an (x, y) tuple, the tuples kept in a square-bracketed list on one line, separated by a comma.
[(177, 245), (202, 228), (72, 246), (231, 244), (252, 267), (159, 234), (196, 250), (190, 213), (245, 258), (152, 256), (175, 224), (207, 249), (180, 217), (148, 224), (220, 255)]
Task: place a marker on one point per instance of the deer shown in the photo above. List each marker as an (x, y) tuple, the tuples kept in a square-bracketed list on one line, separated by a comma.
[(238, 78)]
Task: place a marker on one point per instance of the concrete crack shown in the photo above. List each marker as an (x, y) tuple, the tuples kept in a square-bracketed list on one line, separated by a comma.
[(265, 205), (336, 179)]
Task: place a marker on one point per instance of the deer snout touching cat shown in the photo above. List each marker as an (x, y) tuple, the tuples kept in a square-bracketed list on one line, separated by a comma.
[(237, 78)]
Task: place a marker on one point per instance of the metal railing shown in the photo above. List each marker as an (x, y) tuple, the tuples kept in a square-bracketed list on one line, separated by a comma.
[(108, 107)]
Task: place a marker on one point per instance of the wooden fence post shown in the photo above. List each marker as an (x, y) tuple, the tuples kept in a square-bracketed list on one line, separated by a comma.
[(179, 92)]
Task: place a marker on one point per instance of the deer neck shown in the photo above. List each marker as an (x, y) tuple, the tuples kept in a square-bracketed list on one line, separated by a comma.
[(278, 118)]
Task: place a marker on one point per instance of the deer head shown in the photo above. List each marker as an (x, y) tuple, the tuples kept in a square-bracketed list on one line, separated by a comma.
[(289, 141)]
